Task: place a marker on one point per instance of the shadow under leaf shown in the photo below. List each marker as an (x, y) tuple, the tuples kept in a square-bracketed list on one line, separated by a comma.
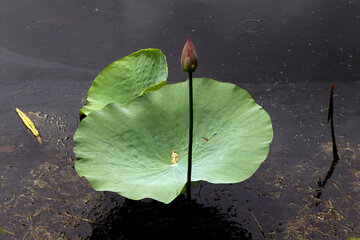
[(149, 219)]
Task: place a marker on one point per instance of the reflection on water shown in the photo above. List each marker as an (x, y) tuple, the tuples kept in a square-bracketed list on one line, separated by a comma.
[(9, 57), (154, 220)]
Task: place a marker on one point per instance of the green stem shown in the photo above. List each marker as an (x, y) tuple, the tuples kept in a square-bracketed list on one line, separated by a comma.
[(188, 186)]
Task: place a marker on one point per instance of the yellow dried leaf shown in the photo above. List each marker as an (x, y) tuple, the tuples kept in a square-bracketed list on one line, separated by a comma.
[(174, 157), (29, 124)]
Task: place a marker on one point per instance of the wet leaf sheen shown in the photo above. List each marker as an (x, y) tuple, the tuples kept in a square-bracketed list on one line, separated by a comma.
[(126, 79), (129, 149)]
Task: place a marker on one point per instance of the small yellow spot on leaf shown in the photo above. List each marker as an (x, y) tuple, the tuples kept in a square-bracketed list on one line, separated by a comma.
[(174, 156), (29, 124)]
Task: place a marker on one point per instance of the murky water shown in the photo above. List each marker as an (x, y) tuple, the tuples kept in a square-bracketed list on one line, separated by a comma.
[(287, 54)]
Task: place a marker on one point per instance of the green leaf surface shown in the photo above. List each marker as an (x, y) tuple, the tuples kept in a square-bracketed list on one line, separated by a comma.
[(128, 149), (1, 232), (126, 79)]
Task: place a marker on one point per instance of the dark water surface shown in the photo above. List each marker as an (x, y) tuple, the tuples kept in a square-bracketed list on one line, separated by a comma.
[(287, 54)]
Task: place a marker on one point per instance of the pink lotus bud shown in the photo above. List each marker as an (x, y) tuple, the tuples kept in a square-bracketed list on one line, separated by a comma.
[(189, 59)]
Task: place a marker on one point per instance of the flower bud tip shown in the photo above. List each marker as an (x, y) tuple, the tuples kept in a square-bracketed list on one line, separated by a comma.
[(189, 59)]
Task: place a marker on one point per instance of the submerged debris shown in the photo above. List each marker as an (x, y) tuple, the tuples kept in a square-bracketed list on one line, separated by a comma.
[(7, 148)]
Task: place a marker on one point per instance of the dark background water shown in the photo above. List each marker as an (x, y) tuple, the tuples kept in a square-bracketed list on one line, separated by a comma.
[(287, 54)]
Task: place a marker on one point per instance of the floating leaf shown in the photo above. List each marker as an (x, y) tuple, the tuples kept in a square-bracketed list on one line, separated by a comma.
[(29, 124), (128, 149), (126, 79)]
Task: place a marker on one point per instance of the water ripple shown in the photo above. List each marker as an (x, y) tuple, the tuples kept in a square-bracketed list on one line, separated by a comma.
[(252, 25)]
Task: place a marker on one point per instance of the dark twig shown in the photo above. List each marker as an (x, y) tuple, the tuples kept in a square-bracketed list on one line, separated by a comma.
[(321, 184)]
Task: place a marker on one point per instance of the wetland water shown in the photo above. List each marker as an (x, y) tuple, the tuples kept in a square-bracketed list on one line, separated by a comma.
[(286, 54)]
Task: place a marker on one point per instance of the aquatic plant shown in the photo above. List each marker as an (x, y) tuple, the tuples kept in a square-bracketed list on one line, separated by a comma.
[(137, 144), (189, 64), (125, 79)]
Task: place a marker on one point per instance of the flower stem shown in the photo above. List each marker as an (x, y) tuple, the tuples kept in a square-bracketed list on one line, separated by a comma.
[(188, 186)]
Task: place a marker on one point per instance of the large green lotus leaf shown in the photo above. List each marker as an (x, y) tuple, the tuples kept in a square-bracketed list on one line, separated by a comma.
[(126, 79), (128, 149)]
